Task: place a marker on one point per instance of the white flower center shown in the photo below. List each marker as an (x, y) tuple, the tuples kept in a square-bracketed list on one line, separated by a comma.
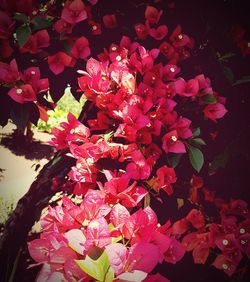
[(172, 69), (225, 242), (242, 231), (224, 266), (118, 58), (19, 91), (33, 72), (174, 138)]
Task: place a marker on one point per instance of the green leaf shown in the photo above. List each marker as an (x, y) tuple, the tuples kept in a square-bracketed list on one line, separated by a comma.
[(21, 17), (23, 33), (244, 79), (40, 23), (226, 56), (228, 74), (99, 269), (209, 99), (173, 159), (196, 158), (196, 132), (198, 141)]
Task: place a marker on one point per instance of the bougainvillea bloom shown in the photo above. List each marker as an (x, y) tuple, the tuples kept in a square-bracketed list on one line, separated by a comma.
[(109, 21), (58, 62), (170, 143), (214, 111), (74, 12), (24, 93), (186, 89), (81, 49), (152, 14), (159, 33)]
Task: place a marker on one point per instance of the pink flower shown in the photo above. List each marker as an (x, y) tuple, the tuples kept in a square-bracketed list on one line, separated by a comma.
[(152, 14), (71, 131), (167, 50), (175, 252), (109, 21), (117, 254), (81, 48), (142, 256), (169, 72), (74, 12), (139, 168), (159, 33), (182, 127), (58, 62), (156, 278), (187, 89), (214, 111), (23, 93), (141, 31), (170, 143), (179, 39)]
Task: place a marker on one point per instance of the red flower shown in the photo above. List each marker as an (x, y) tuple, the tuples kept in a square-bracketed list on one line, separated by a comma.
[(81, 48), (226, 264), (214, 111), (24, 93), (5, 49), (179, 39), (96, 28), (141, 31), (169, 72), (9, 72), (110, 21), (196, 183), (58, 61), (182, 127), (169, 52), (74, 12), (170, 143), (152, 14), (186, 89), (244, 46), (36, 41), (165, 177), (6, 25), (159, 33), (62, 26), (196, 218)]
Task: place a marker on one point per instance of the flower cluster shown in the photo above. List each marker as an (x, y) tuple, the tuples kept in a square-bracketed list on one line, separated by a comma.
[(97, 240), (229, 238), (24, 86)]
